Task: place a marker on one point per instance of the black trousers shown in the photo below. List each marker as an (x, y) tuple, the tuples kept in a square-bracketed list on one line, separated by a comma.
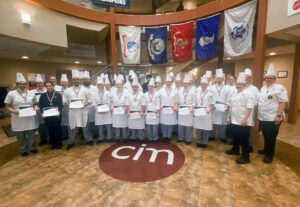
[(270, 132), (241, 137), (229, 130), (55, 130)]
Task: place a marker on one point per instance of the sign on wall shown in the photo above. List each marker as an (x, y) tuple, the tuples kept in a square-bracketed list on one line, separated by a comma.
[(117, 3), (293, 7)]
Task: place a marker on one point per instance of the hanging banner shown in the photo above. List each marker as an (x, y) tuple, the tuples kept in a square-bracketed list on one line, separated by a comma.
[(116, 3), (182, 41), (207, 37), (239, 29), (293, 7), (130, 38), (156, 44)]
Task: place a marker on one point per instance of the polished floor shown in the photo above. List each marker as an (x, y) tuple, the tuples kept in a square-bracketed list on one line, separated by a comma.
[(208, 178)]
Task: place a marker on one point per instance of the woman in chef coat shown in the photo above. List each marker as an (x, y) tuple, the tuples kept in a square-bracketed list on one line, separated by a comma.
[(186, 101), (241, 117), (202, 119), (135, 110), (118, 106), (169, 106), (23, 126), (103, 118), (271, 103)]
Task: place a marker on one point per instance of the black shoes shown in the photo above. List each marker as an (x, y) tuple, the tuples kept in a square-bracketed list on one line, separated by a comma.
[(201, 145), (52, 147), (187, 143), (223, 140), (34, 151), (43, 142), (211, 138), (231, 152), (242, 160), (111, 141), (267, 160), (99, 141), (261, 152), (91, 143), (24, 154), (178, 140), (250, 149), (69, 146), (118, 140)]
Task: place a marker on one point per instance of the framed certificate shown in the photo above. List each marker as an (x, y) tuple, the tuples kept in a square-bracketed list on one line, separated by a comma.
[(50, 111), (76, 104), (26, 111)]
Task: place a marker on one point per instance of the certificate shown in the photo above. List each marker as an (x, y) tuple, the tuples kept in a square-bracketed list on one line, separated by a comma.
[(200, 111), (102, 108), (167, 110), (184, 110), (220, 107), (135, 115), (26, 111), (50, 111), (76, 104), (151, 115), (118, 110)]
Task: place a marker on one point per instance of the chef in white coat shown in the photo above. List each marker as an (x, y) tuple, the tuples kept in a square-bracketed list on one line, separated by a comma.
[(107, 83), (78, 113), (208, 75), (202, 113), (232, 89), (271, 103), (219, 113), (65, 110), (118, 106), (158, 85), (128, 83), (186, 102), (23, 126), (103, 118), (136, 110), (53, 80), (169, 106), (172, 78), (178, 86), (241, 117), (152, 111), (38, 92)]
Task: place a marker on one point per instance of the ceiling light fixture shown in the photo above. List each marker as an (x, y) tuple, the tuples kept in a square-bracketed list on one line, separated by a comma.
[(77, 62), (228, 58), (272, 53), (99, 62), (25, 57)]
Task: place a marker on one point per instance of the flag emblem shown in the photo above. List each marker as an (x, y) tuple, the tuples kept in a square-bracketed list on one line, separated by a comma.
[(206, 40), (132, 46), (240, 31), (157, 46)]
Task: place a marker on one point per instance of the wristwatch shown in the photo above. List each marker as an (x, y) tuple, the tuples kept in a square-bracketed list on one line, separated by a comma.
[(279, 116)]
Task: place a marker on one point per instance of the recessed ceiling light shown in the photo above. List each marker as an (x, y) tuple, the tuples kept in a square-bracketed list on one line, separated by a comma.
[(272, 53), (228, 58), (99, 62), (119, 63), (77, 62), (25, 57)]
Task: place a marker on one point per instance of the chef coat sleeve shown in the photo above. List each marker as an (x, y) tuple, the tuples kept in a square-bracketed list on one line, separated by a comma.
[(9, 98), (282, 94)]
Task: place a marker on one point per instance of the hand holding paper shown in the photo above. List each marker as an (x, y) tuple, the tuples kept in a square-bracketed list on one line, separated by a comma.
[(26, 111), (76, 104)]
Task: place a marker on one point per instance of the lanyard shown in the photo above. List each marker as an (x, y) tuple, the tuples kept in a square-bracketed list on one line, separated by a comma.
[(101, 96), (168, 93), (219, 90), (77, 91), (135, 96), (185, 94), (202, 97), (24, 98), (150, 97), (119, 94), (50, 100)]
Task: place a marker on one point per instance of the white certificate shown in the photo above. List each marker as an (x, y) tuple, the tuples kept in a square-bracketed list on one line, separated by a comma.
[(76, 104), (102, 108), (167, 110), (135, 115), (26, 110), (151, 115), (220, 107), (200, 112), (118, 110), (50, 111), (184, 111)]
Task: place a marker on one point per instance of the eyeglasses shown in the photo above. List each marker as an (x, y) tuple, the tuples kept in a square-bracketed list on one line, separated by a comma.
[(269, 78)]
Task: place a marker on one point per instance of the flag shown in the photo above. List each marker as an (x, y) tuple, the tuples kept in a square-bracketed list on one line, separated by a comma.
[(239, 29), (182, 41), (156, 44), (130, 38), (207, 37)]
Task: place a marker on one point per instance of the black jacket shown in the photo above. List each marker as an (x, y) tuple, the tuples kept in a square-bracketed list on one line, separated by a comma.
[(57, 101)]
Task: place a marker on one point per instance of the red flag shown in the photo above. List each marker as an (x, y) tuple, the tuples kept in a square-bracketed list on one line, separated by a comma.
[(182, 41)]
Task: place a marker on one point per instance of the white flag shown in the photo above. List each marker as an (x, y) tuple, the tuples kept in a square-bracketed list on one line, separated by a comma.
[(130, 44), (239, 29)]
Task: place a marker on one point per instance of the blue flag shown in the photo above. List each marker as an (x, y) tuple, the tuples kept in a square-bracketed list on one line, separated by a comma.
[(156, 44), (207, 37)]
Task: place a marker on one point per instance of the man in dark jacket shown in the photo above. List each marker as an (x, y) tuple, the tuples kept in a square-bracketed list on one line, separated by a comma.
[(145, 85)]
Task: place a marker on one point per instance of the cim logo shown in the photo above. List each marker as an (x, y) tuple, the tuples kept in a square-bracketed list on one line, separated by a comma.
[(141, 162), (296, 5)]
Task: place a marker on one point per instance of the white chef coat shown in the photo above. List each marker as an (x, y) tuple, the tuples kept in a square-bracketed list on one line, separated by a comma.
[(221, 95), (269, 99), (127, 85), (37, 94), (119, 99), (102, 97), (168, 100), (77, 117), (152, 105), (64, 110), (135, 101), (186, 98), (16, 100), (239, 103), (91, 107), (203, 99), (58, 88), (254, 91), (232, 89)]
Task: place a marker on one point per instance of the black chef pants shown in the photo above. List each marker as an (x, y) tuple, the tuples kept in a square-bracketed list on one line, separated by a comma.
[(241, 137), (55, 131)]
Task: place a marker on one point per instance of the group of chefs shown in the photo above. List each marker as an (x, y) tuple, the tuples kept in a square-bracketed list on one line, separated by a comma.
[(125, 111)]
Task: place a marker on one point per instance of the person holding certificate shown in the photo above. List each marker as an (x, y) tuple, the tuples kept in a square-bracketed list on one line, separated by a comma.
[(186, 101), (50, 105), (20, 103), (103, 118), (135, 110), (169, 105), (202, 113), (77, 98)]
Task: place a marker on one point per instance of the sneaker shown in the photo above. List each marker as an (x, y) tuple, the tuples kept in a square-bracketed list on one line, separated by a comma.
[(34, 151), (24, 154), (267, 160), (242, 160), (43, 142), (178, 140), (91, 143), (69, 146), (231, 152)]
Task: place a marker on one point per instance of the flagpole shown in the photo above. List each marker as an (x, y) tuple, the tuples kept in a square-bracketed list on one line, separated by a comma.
[(113, 45)]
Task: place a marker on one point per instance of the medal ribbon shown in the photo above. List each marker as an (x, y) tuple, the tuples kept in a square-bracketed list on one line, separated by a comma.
[(219, 90), (185, 94), (24, 98), (77, 91), (50, 100), (202, 97)]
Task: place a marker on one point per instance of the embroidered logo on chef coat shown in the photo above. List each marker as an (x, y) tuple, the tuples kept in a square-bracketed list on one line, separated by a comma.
[(141, 162)]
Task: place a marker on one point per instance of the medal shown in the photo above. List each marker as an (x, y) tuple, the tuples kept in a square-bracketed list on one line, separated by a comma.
[(150, 97), (101, 96), (219, 90), (202, 97), (168, 92), (50, 100), (135, 96), (77, 91), (24, 98), (119, 94), (185, 95)]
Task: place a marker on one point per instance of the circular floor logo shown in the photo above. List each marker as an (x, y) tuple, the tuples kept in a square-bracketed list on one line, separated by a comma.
[(141, 162)]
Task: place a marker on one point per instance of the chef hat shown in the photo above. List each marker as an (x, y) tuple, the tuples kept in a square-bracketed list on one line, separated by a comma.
[(64, 78), (208, 74), (186, 79), (81, 74), (119, 80), (38, 78), (219, 73), (131, 72), (107, 80), (241, 78), (204, 80), (248, 72), (271, 70), (115, 77), (158, 79), (171, 74), (99, 80), (120, 76), (102, 75), (86, 74), (75, 74), (127, 78), (135, 82), (168, 78), (178, 78), (151, 82), (20, 78)]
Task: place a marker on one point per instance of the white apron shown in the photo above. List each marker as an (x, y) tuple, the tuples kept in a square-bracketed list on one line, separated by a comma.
[(168, 98), (135, 103), (186, 99), (203, 99), (64, 111), (37, 93), (119, 100), (152, 105), (102, 98)]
